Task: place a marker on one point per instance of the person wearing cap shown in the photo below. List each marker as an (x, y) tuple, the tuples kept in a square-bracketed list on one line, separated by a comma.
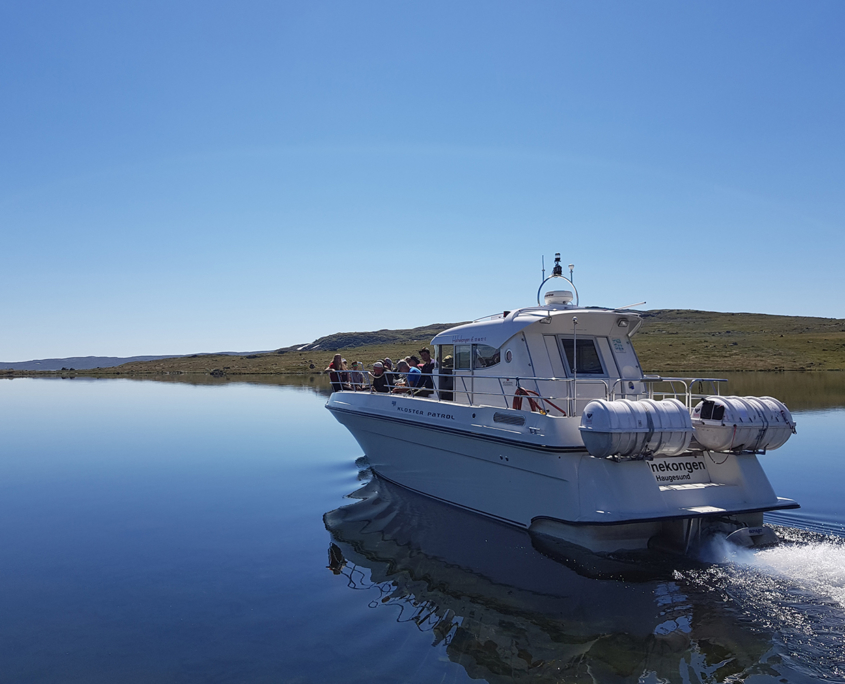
[(380, 380)]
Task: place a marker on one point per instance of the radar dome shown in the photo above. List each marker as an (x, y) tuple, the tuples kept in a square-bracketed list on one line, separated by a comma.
[(558, 297)]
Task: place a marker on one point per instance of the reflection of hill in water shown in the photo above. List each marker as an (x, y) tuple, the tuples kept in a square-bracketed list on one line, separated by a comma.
[(506, 612), (316, 383), (799, 390)]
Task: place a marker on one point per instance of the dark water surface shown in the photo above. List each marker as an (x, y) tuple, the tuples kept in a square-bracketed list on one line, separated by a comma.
[(175, 532)]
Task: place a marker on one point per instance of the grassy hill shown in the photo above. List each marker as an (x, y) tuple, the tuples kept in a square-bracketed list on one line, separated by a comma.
[(676, 340), (366, 347), (349, 340), (670, 340)]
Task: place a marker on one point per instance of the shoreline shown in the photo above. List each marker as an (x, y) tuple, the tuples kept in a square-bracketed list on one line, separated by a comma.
[(670, 341), (105, 374)]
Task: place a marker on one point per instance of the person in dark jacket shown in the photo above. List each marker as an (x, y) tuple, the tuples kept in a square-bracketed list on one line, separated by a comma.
[(427, 367), (381, 382), (426, 384)]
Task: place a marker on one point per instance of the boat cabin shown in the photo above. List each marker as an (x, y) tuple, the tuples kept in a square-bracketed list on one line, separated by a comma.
[(558, 355)]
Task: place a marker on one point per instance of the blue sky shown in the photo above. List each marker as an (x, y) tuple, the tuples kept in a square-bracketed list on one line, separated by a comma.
[(179, 177)]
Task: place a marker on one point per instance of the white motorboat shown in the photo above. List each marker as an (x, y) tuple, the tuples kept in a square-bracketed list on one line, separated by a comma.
[(542, 418)]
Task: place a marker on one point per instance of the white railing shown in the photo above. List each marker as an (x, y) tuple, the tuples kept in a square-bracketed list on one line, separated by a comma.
[(548, 395), (552, 396), (682, 388)]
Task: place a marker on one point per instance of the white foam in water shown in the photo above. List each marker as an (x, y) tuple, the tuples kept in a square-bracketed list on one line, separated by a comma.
[(796, 589), (818, 568)]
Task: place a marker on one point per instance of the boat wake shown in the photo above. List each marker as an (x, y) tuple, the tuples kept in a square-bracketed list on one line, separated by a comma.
[(541, 609), (796, 590), (819, 567)]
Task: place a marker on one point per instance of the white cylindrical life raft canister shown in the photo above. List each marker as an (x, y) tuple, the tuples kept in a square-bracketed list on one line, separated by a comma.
[(636, 428), (741, 423)]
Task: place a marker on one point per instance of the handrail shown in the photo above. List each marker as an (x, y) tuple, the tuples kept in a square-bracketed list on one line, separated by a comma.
[(466, 386), (687, 383)]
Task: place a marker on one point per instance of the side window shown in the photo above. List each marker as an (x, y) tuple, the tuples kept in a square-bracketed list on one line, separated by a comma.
[(484, 356), (585, 351), (446, 356), (463, 356)]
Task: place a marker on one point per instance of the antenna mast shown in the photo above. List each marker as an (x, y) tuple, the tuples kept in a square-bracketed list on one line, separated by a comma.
[(557, 272)]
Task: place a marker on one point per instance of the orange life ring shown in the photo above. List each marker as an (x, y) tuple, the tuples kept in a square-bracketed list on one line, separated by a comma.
[(533, 403)]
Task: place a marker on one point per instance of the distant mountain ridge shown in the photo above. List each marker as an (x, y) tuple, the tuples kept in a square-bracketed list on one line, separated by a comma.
[(92, 362), (340, 340)]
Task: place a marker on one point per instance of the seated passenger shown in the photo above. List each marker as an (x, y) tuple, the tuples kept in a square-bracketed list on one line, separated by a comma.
[(414, 373), (403, 385), (388, 371), (356, 377), (380, 380), (336, 375)]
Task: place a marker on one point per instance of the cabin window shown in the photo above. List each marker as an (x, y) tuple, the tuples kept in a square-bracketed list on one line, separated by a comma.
[(484, 356), (445, 368), (587, 356), (445, 355), (463, 357)]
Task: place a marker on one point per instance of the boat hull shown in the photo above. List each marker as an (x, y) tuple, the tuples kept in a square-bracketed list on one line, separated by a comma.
[(539, 476)]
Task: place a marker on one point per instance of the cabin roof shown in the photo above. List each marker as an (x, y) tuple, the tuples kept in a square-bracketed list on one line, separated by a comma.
[(496, 330)]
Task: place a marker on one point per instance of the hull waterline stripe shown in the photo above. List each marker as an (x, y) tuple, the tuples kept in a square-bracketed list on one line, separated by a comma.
[(683, 516), (465, 433), (587, 523)]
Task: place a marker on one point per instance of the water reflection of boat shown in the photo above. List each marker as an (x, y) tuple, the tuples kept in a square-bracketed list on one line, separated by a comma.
[(542, 417), (506, 612)]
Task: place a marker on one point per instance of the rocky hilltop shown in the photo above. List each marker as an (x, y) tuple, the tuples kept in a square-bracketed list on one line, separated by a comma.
[(349, 340)]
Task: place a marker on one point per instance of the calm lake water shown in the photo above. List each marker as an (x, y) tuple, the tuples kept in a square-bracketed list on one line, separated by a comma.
[(230, 532)]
